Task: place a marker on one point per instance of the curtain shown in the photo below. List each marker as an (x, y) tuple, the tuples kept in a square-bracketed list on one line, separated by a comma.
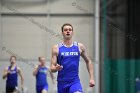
[(120, 37)]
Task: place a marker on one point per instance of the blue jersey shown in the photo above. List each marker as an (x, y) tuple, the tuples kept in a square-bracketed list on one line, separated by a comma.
[(41, 77), (69, 58), (12, 77)]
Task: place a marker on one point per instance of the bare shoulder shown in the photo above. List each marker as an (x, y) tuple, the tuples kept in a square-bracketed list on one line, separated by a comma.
[(18, 68), (81, 46), (55, 48), (6, 68)]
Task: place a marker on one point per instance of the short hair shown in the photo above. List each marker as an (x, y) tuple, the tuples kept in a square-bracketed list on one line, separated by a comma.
[(66, 24), (12, 57), (40, 57)]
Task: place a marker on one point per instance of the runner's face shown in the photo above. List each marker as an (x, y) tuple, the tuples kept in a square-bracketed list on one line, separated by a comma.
[(13, 60), (42, 61), (67, 32)]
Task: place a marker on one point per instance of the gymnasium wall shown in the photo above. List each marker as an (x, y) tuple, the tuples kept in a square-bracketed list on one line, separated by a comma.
[(29, 28)]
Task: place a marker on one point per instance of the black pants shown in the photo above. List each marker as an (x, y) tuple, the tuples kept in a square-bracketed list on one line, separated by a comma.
[(10, 89)]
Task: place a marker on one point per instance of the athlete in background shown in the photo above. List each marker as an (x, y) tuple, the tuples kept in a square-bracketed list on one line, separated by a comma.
[(11, 73), (40, 72)]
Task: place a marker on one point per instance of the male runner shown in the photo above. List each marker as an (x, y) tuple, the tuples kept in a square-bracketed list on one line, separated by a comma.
[(40, 72), (65, 60), (11, 73)]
